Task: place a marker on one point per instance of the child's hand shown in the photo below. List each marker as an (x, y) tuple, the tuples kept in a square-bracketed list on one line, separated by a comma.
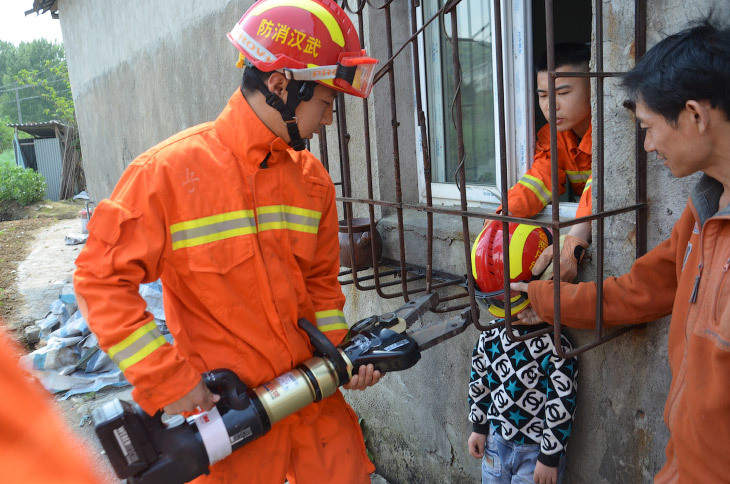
[(544, 474), (476, 445)]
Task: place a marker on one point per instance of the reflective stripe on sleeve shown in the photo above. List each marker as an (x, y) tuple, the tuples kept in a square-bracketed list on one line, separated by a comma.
[(536, 186), (212, 228), (578, 176), (330, 320), (588, 183), (286, 217), (137, 346)]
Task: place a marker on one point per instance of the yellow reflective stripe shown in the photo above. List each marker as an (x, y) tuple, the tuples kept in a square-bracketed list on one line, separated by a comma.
[(536, 186), (330, 320), (315, 8), (474, 253), (286, 217), (215, 227), (577, 176), (516, 246), (138, 345), (588, 183), (500, 312)]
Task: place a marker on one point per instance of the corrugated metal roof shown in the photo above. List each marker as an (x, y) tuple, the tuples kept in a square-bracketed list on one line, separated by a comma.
[(40, 130), (43, 6)]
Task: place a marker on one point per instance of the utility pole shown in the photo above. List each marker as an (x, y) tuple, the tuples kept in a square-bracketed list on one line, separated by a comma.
[(17, 102)]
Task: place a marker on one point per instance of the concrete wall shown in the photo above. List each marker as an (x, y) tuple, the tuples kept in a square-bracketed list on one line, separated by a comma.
[(143, 70)]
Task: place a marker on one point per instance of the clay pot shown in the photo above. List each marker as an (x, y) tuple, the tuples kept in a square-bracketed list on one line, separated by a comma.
[(363, 240)]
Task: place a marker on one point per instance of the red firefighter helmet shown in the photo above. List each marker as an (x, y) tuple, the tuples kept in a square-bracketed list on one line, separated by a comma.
[(526, 243), (309, 40)]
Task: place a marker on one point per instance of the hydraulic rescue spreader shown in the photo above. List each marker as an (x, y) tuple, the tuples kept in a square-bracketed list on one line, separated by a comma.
[(146, 449)]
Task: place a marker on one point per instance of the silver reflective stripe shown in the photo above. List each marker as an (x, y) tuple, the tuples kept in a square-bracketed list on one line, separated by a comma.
[(536, 186), (330, 320), (578, 176), (209, 229), (287, 217), (138, 345)]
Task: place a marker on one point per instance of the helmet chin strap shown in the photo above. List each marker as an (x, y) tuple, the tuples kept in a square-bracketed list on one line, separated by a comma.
[(297, 91)]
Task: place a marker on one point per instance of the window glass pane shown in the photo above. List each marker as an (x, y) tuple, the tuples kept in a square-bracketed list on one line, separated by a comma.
[(477, 93)]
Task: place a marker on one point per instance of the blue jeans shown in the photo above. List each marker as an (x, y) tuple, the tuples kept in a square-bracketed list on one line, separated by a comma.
[(506, 462)]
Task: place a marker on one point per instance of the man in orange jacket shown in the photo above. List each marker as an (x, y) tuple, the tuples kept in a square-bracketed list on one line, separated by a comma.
[(239, 222), (681, 99), (36, 447), (573, 125)]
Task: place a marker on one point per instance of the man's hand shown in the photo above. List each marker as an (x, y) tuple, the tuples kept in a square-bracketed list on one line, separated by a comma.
[(366, 376), (197, 399), (544, 474), (476, 444), (572, 249), (527, 315)]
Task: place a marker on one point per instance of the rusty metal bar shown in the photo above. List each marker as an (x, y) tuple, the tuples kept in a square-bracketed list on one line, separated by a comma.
[(642, 214), (502, 125), (598, 181), (421, 116), (461, 154), (396, 149), (409, 273), (490, 215)]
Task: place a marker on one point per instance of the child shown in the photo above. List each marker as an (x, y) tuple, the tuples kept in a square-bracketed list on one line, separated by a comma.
[(522, 400), (521, 393)]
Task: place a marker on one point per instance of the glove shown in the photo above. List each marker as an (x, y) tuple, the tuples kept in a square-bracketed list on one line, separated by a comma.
[(572, 250)]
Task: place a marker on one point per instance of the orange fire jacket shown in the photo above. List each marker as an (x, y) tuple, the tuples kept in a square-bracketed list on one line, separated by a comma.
[(534, 190), (35, 445), (687, 276), (242, 231)]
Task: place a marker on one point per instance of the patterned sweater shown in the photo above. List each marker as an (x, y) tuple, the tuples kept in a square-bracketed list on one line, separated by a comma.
[(524, 390)]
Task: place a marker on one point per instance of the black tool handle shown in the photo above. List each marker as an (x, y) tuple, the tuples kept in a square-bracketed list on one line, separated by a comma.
[(326, 348), (227, 384)]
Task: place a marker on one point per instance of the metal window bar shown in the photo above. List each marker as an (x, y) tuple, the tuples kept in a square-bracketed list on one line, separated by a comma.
[(427, 277)]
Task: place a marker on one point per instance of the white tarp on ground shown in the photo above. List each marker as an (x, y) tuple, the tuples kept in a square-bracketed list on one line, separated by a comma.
[(69, 359)]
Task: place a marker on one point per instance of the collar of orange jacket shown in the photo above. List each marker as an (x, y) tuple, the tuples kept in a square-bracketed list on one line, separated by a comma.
[(244, 133), (586, 141)]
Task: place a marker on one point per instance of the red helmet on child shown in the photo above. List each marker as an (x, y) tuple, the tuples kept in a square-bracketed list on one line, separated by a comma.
[(526, 243)]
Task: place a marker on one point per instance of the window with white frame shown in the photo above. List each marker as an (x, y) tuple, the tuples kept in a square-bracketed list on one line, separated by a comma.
[(478, 97)]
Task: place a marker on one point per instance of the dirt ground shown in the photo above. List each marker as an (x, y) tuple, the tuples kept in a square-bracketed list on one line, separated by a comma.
[(18, 229)]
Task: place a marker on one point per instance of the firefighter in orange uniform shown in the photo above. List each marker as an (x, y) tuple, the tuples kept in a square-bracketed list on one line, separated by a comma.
[(239, 222), (533, 191), (31, 431)]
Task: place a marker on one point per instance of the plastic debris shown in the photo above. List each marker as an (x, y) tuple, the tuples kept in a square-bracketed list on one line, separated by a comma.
[(70, 360)]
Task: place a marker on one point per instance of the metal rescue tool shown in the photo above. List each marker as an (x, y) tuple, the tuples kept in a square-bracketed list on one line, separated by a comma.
[(145, 449)]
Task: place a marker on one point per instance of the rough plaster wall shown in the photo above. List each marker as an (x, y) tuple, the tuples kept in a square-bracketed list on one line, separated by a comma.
[(142, 71)]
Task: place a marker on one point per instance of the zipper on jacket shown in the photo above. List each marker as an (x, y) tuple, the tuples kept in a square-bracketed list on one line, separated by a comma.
[(693, 298), (265, 164)]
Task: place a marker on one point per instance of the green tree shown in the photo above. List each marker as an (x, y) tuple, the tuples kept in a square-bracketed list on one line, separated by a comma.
[(56, 92), (45, 61)]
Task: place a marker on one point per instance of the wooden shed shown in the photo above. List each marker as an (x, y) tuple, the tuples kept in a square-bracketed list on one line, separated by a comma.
[(51, 153)]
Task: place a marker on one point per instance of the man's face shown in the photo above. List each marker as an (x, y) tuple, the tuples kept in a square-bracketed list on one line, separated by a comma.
[(681, 147), (572, 100), (316, 112)]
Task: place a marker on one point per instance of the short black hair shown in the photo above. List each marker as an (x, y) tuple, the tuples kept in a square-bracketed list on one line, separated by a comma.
[(566, 54), (248, 85), (693, 64)]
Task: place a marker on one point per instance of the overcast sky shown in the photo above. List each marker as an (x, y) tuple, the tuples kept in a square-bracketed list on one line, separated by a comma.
[(15, 27)]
